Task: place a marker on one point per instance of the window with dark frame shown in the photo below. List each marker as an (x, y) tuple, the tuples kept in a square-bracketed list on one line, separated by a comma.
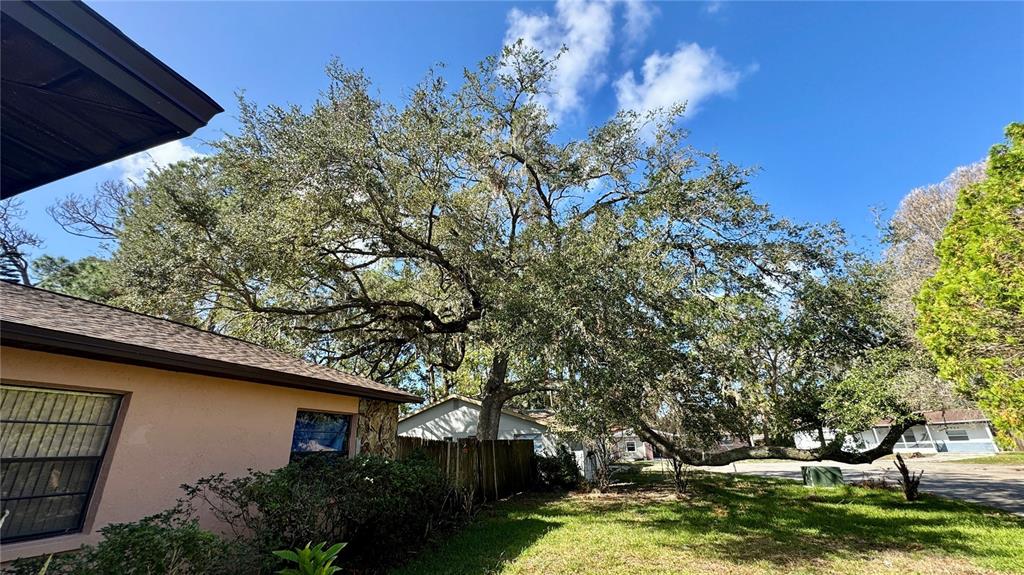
[(319, 432), (52, 444), (957, 435), (909, 438), (630, 446)]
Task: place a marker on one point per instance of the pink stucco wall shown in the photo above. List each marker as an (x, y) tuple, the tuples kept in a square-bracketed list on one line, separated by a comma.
[(172, 428)]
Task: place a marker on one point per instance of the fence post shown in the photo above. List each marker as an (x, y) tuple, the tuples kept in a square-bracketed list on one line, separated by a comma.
[(494, 466)]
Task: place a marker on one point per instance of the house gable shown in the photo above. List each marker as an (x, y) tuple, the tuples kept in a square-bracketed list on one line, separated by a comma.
[(457, 417)]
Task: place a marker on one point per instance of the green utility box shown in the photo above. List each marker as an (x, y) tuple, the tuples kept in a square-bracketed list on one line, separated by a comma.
[(820, 476)]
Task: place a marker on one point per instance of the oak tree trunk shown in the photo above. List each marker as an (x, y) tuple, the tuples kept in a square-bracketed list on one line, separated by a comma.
[(493, 398)]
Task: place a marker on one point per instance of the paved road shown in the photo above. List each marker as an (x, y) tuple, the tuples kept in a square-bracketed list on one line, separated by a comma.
[(1000, 486)]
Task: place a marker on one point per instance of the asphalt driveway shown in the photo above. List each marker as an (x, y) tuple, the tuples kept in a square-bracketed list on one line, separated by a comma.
[(1000, 486)]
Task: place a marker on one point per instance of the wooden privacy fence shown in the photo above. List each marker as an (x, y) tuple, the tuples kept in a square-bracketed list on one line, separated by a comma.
[(488, 470)]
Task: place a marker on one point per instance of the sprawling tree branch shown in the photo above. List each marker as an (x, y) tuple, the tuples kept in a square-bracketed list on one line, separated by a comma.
[(830, 452)]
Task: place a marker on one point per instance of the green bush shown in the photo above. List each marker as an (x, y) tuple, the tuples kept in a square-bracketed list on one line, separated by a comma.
[(379, 506), (559, 471), (171, 543)]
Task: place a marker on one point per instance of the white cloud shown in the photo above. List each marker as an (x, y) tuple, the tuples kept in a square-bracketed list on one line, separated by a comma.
[(134, 167), (713, 7), (691, 74), (584, 27), (639, 15)]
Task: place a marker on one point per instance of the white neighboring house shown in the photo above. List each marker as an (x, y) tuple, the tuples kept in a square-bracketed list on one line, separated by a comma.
[(629, 446), (456, 417), (949, 431)]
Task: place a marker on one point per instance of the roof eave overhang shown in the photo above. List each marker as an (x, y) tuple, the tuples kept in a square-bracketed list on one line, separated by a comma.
[(82, 34), (64, 343)]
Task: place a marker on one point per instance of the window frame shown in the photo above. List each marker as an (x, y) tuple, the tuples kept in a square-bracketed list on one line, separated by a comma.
[(94, 492), (350, 440), (966, 435), (913, 437), (631, 446)]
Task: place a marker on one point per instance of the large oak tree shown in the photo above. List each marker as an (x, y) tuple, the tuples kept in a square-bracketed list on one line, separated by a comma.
[(622, 269)]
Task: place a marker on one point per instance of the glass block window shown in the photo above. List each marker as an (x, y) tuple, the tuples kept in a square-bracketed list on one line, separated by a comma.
[(51, 445), (317, 432)]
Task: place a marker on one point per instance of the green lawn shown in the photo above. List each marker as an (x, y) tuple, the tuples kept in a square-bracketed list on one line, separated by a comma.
[(1011, 458), (730, 525)]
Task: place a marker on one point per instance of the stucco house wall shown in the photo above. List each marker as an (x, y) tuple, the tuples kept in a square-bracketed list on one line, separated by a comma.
[(174, 428)]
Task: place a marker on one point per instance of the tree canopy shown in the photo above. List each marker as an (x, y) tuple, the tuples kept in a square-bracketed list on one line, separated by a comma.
[(88, 278), (627, 274), (16, 243), (971, 313)]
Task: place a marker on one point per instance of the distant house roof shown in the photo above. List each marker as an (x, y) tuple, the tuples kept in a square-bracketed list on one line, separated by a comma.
[(78, 93), (42, 320), (545, 417), (948, 416), (478, 403)]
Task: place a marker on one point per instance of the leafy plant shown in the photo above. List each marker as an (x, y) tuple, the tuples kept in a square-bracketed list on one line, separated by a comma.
[(311, 560)]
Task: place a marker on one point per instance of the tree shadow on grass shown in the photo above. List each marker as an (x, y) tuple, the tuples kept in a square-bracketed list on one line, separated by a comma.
[(497, 537), (755, 521), (759, 523)]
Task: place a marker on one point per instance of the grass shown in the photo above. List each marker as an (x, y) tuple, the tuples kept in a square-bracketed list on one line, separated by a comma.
[(1005, 458), (730, 525)]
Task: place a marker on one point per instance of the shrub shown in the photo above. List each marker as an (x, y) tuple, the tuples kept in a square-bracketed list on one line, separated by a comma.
[(379, 506), (171, 543), (559, 471)]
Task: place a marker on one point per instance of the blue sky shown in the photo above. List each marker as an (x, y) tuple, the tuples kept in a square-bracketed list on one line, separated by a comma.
[(842, 106)]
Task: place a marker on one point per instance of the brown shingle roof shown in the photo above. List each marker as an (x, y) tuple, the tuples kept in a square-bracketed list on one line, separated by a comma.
[(40, 319)]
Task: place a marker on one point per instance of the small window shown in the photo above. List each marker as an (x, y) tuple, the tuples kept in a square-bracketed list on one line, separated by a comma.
[(51, 446), (317, 432), (957, 435), (630, 446)]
